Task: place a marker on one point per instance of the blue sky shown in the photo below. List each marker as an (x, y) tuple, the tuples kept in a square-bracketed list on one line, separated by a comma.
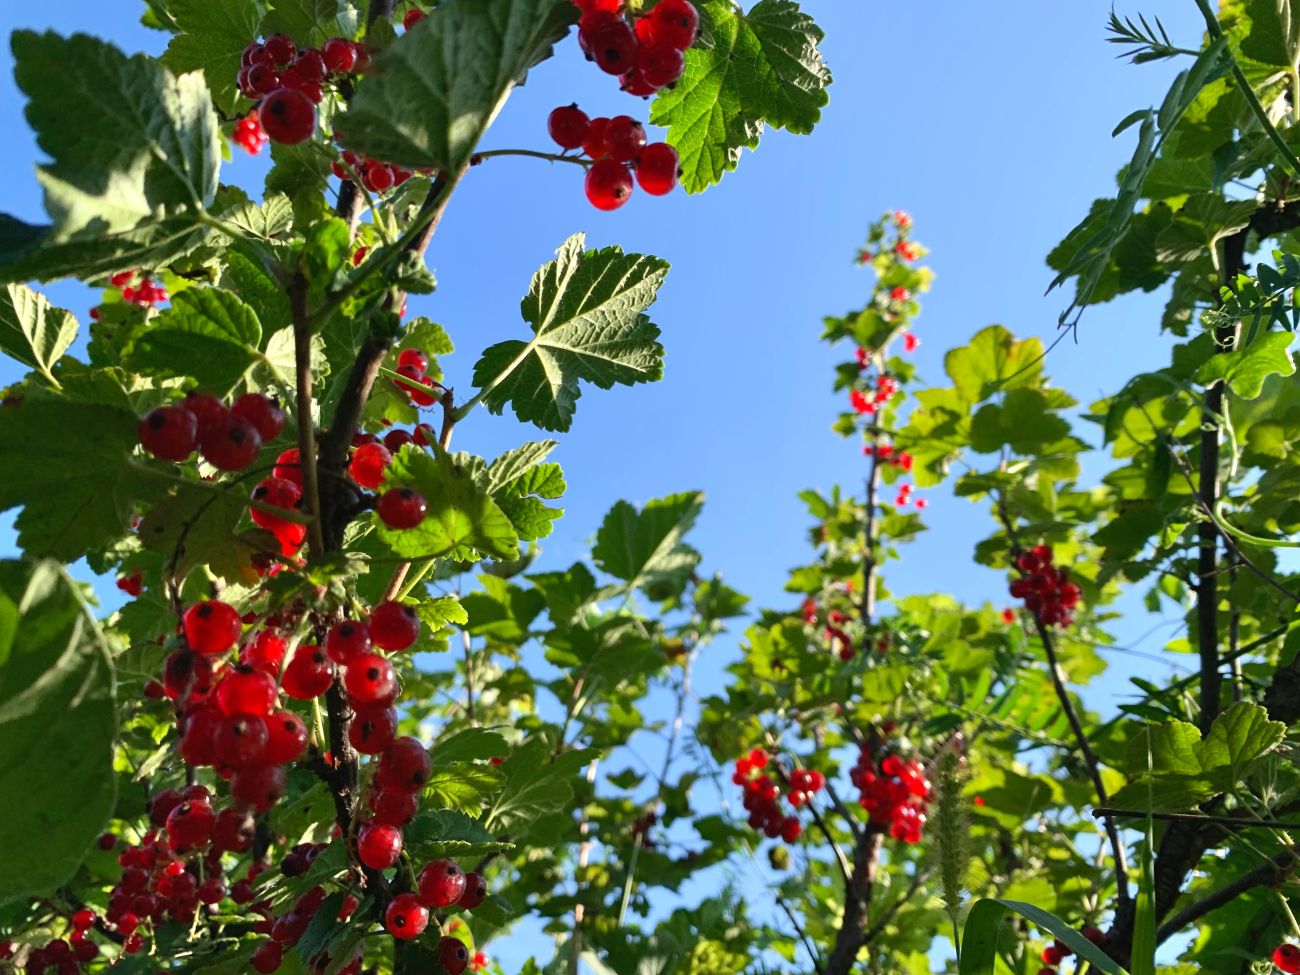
[(989, 123)]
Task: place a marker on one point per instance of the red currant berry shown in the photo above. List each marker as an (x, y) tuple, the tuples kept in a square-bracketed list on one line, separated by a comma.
[(394, 440), (1287, 958), (611, 40), (568, 126), (233, 831), (368, 465), (248, 691), (453, 955), (207, 409), (372, 730), (633, 82), (379, 846), (256, 54), (286, 738), (278, 493), (264, 652), (413, 357), (657, 169), (624, 139), (475, 891), (288, 116), (261, 411), (133, 944), (594, 144), (107, 841), (198, 736), (402, 508), (347, 640), (369, 679), (268, 957), (441, 883), (425, 397), (289, 466), (675, 23), (211, 627), (403, 767), (281, 48), (406, 917), (260, 79), (241, 740), (258, 786), (340, 55), (189, 826), (311, 67), (231, 445), (661, 65), (609, 184), (308, 675), (394, 626), (394, 808), (169, 433), (412, 17)]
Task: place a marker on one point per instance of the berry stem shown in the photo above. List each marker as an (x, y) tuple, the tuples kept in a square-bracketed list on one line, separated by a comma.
[(532, 154), (302, 335)]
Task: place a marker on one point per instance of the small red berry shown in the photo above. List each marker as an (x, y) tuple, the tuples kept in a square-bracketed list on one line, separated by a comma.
[(402, 508), (441, 883), (403, 767), (289, 466), (406, 917), (568, 125), (248, 691), (281, 48), (286, 738), (212, 627), (594, 144), (1287, 958), (379, 846), (372, 730), (413, 357), (475, 891), (308, 675), (453, 955), (346, 640), (369, 679), (279, 493), (661, 65), (340, 55), (675, 23), (288, 116), (232, 444), (260, 79), (394, 808), (258, 786), (624, 139), (657, 169), (169, 433), (240, 741), (394, 626), (612, 42), (609, 184), (261, 411), (268, 957), (233, 831), (413, 17), (368, 465)]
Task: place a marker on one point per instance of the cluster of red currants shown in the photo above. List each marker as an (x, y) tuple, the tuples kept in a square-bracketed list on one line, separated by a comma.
[(617, 147), (146, 293), (647, 53), (375, 176), (904, 497), (288, 83), (413, 367), (287, 930), (870, 401), (888, 455), (1058, 950), (1287, 958), (1047, 591), (763, 797), (894, 792), (228, 439), (64, 955), (249, 134)]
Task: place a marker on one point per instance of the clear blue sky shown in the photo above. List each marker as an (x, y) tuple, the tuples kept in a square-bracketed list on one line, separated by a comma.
[(990, 123)]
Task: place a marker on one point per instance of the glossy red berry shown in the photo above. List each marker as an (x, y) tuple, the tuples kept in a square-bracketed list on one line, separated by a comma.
[(286, 738), (281, 48), (369, 463), (246, 690), (415, 358), (207, 409), (406, 917), (612, 42), (232, 444), (412, 17), (441, 883), (240, 740), (568, 125), (264, 652), (403, 767), (475, 891), (260, 79), (1051, 956), (396, 439), (426, 395), (394, 626), (308, 675), (379, 846), (211, 627), (233, 831), (634, 83), (661, 65), (261, 411), (369, 679), (411, 376), (189, 826), (288, 116), (310, 66), (198, 736), (340, 55), (394, 808), (277, 492), (624, 139), (107, 841), (169, 432), (453, 955), (1287, 958), (657, 169), (289, 466), (594, 144), (609, 184), (268, 957), (372, 730), (402, 508), (256, 54), (347, 640), (258, 786), (675, 23)]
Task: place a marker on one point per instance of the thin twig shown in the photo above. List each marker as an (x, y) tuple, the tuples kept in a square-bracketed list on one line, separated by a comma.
[(1268, 873), (1242, 821), (298, 297)]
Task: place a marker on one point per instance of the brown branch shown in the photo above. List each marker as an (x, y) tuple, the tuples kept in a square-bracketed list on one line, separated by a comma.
[(852, 934), (1242, 821), (1266, 874), (298, 303)]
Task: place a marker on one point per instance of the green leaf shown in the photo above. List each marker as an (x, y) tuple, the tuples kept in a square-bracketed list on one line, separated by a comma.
[(57, 725), (463, 522), (586, 312), (128, 182), (32, 330), (1023, 421), (994, 361), (462, 786), (440, 612), (535, 784), (311, 22), (646, 548), (1238, 738), (64, 517), (469, 745), (985, 930), (435, 91), (515, 463), (207, 333), (750, 69), (211, 38), (1245, 370), (197, 527), (445, 833)]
